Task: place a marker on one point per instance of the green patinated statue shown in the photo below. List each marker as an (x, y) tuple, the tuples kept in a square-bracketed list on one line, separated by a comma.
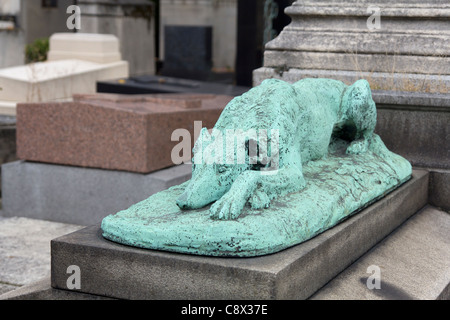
[(283, 163), (307, 115)]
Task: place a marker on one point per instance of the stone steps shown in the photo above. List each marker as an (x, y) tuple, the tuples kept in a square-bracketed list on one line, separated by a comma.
[(413, 262)]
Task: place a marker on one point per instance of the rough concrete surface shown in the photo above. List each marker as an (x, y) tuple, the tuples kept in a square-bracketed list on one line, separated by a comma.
[(25, 249)]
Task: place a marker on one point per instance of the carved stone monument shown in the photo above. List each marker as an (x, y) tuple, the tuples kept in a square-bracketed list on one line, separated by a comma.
[(283, 163), (401, 46)]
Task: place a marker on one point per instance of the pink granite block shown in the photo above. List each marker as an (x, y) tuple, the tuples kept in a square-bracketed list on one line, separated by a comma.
[(109, 131)]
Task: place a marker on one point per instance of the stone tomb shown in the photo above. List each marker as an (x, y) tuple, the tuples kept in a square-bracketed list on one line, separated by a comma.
[(76, 61), (85, 159), (115, 132), (100, 48)]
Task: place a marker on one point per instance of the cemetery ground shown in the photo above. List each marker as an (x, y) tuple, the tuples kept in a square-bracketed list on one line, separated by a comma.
[(25, 250)]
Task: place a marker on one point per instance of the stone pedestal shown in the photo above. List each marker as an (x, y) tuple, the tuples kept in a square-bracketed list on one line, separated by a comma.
[(415, 126), (114, 270), (407, 50)]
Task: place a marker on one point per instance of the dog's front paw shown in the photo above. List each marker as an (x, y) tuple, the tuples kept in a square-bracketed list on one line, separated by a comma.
[(259, 200), (358, 147), (228, 207)]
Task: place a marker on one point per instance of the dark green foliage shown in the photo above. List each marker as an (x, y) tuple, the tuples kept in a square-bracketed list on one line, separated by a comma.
[(37, 51)]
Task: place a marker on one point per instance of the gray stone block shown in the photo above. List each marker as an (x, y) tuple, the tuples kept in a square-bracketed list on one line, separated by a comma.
[(412, 83), (118, 271), (419, 135), (78, 195), (413, 263), (439, 194), (188, 52)]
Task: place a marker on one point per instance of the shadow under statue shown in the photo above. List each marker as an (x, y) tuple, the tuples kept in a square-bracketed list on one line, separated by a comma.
[(283, 163)]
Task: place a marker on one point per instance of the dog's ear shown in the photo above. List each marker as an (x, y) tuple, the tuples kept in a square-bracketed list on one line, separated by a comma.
[(358, 93)]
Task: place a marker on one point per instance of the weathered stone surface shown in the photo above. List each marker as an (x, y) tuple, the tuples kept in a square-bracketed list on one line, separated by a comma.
[(77, 195), (114, 270), (411, 38), (420, 134), (351, 61), (383, 81), (440, 188), (133, 22), (130, 133), (25, 249), (414, 264)]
